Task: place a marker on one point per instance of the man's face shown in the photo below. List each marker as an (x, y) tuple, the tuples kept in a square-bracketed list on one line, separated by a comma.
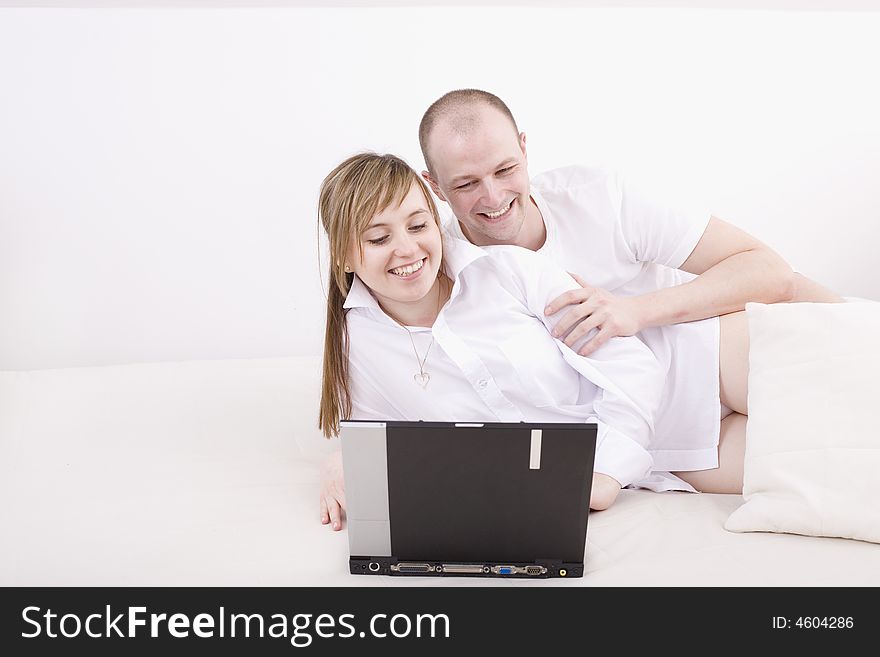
[(483, 175)]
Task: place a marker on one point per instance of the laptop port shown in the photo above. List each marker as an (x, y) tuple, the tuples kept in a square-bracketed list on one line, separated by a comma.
[(412, 568), (504, 570), (519, 570), (463, 569), (374, 567)]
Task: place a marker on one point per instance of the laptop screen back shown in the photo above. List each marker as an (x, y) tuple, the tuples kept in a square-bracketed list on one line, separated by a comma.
[(505, 492)]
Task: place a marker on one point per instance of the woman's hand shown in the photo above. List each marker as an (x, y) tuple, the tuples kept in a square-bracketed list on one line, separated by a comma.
[(332, 491), (604, 491)]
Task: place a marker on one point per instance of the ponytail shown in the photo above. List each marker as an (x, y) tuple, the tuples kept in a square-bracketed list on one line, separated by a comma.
[(335, 389)]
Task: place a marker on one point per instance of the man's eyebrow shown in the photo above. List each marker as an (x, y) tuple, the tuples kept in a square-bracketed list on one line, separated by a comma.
[(505, 163), (459, 179)]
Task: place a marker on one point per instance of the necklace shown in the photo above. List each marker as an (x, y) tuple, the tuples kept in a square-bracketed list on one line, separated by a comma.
[(423, 377)]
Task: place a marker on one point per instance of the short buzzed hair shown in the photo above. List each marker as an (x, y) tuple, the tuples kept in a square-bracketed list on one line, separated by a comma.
[(458, 105)]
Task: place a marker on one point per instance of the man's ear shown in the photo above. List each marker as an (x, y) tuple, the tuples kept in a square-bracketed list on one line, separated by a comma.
[(434, 186), (522, 145)]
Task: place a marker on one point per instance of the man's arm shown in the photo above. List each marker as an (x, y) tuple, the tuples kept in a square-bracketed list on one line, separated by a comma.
[(732, 268)]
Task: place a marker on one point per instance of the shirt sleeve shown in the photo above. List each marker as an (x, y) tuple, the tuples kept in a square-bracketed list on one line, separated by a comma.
[(624, 369), (652, 232)]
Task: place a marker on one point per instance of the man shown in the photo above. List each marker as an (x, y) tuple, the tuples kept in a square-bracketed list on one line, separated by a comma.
[(643, 269)]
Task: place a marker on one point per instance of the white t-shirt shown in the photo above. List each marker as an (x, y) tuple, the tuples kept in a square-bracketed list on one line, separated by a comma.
[(493, 359), (603, 230)]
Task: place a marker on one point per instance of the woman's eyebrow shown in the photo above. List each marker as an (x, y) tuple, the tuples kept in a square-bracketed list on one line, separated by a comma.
[(409, 216)]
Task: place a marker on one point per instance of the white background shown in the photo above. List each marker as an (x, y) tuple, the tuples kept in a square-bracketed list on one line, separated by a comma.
[(159, 167)]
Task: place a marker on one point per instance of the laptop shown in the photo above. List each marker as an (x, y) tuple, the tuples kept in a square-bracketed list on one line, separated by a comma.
[(503, 500)]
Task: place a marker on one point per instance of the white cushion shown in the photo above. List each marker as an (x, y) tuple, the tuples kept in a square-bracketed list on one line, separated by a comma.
[(813, 438)]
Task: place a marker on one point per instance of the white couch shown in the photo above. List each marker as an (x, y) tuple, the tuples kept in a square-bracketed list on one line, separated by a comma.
[(206, 473)]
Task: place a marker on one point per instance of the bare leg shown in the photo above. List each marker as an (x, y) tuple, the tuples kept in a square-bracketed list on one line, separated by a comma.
[(809, 290), (733, 365), (728, 476), (734, 388), (734, 345)]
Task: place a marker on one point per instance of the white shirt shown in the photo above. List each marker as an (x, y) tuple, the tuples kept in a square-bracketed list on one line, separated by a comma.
[(493, 359), (603, 230)]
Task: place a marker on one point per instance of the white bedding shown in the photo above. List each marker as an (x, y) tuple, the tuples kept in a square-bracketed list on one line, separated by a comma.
[(206, 473)]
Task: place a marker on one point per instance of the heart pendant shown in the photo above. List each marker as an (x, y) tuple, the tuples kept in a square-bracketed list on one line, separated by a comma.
[(422, 379)]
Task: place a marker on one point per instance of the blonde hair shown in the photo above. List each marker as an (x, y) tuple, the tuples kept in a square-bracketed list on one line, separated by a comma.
[(351, 195)]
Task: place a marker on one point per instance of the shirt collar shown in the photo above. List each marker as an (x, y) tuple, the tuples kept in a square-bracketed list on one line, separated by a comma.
[(359, 295), (549, 245), (457, 254)]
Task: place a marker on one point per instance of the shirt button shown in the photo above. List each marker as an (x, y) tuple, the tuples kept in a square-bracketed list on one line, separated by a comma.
[(482, 383)]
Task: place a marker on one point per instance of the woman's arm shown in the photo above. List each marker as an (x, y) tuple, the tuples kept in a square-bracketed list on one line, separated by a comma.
[(332, 495), (332, 502)]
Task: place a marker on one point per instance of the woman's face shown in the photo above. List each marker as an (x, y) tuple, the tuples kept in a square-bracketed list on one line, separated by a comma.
[(402, 252)]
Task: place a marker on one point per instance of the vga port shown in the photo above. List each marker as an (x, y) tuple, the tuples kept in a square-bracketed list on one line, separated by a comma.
[(504, 570), (519, 570)]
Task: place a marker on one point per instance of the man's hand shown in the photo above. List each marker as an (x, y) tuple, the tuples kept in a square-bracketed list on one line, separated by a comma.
[(332, 491), (594, 308)]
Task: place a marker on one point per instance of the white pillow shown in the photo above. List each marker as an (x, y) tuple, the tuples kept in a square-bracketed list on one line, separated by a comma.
[(812, 463)]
